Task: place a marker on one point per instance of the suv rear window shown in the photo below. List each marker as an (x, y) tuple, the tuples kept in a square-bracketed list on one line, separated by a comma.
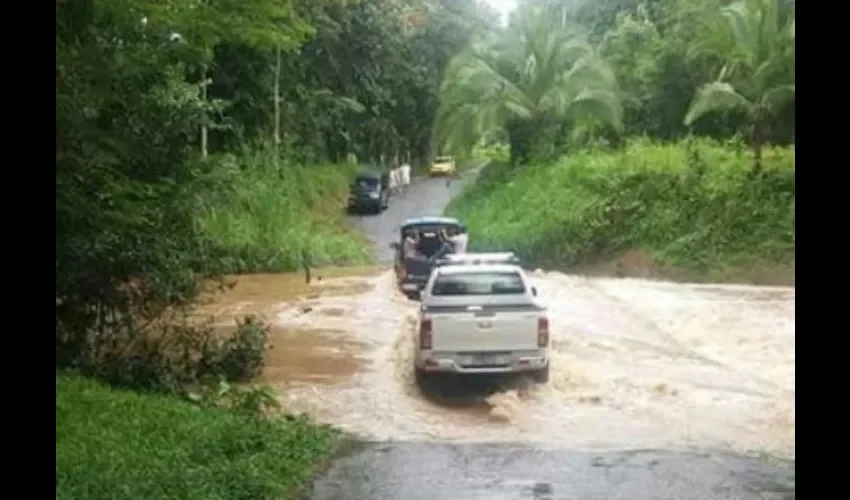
[(478, 283), (366, 182)]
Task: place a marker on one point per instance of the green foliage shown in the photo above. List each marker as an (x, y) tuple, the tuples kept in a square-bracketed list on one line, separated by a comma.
[(662, 51), (759, 62), (495, 153), (112, 444), (526, 80), (262, 218), (170, 355), (698, 209), (255, 400), (366, 83), (237, 357), (694, 206)]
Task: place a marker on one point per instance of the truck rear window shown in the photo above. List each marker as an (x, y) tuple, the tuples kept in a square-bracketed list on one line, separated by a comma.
[(478, 283)]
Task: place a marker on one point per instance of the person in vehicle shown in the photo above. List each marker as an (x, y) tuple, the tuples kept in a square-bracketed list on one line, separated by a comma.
[(410, 245), (459, 240), (455, 240)]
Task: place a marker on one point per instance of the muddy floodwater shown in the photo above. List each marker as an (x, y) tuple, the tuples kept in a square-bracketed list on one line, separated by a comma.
[(636, 364)]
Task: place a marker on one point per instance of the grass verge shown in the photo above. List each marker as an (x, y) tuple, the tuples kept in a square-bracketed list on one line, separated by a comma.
[(115, 444), (695, 213), (263, 218)]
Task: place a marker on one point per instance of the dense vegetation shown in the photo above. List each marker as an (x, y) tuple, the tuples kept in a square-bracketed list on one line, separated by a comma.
[(262, 219), (200, 138), (692, 220), (599, 104)]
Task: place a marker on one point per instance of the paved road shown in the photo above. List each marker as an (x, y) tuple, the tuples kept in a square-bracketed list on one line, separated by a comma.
[(420, 470), (427, 471), (425, 196)]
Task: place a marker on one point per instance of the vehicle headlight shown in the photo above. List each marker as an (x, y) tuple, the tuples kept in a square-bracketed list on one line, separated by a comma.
[(374, 196)]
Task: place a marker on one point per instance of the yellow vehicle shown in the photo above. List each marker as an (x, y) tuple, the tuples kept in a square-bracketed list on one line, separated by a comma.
[(443, 165)]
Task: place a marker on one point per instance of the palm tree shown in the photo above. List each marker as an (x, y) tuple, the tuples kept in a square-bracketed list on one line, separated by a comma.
[(760, 62), (527, 77)]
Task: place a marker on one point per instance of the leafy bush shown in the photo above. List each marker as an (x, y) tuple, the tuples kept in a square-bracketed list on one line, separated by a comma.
[(695, 207), (255, 400), (238, 357), (263, 218), (174, 354), (113, 444), (497, 152)]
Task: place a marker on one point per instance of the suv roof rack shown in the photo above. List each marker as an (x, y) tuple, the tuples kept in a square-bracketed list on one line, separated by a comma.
[(478, 258)]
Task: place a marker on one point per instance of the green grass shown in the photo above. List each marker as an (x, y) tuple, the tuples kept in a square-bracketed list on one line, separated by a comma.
[(649, 197), (262, 219), (113, 444)]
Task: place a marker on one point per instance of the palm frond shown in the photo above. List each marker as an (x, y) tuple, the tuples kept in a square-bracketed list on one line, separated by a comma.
[(601, 104), (776, 97), (535, 69), (716, 96)]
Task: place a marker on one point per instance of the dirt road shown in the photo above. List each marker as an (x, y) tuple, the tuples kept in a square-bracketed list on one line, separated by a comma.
[(698, 374)]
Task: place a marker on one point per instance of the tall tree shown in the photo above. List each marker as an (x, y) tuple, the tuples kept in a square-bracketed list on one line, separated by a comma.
[(525, 80)]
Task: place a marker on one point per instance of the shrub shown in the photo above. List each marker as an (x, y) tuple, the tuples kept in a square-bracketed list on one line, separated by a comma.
[(256, 400), (238, 357), (695, 207), (173, 354), (495, 153)]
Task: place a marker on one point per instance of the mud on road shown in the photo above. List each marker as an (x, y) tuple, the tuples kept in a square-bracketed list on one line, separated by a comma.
[(637, 365)]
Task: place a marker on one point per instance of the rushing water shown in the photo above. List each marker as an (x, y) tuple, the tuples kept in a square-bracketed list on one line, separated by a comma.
[(636, 364)]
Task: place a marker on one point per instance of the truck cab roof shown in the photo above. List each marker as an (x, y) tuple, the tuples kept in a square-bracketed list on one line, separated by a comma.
[(481, 258), (478, 268), (430, 220)]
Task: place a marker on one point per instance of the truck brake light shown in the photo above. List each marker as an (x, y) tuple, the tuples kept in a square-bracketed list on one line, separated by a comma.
[(542, 331), (425, 334)]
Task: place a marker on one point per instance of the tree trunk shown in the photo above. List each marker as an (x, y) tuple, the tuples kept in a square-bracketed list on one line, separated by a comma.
[(204, 128), (276, 136), (757, 139), (519, 135), (757, 148)]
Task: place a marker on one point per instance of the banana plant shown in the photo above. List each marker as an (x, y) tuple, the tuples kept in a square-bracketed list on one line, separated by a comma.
[(758, 77)]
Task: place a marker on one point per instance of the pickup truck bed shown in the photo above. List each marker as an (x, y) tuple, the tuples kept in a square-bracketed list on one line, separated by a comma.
[(494, 327), (482, 333)]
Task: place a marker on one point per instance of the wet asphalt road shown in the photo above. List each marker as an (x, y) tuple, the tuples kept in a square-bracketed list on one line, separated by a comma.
[(419, 470), (425, 196), (413, 471)]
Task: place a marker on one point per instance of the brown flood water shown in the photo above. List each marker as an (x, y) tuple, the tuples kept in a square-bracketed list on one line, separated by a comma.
[(636, 364)]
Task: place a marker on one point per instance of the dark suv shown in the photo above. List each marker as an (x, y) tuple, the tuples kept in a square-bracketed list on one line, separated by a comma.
[(370, 191)]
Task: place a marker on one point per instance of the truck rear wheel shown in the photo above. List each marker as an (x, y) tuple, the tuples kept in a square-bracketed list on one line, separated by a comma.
[(541, 376)]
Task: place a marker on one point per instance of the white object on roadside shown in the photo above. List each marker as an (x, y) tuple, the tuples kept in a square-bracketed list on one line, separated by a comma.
[(394, 180), (405, 175)]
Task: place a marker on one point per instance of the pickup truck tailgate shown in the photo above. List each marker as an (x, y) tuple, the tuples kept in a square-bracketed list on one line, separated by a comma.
[(503, 327)]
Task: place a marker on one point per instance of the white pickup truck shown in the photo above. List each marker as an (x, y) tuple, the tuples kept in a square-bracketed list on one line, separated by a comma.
[(481, 317)]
